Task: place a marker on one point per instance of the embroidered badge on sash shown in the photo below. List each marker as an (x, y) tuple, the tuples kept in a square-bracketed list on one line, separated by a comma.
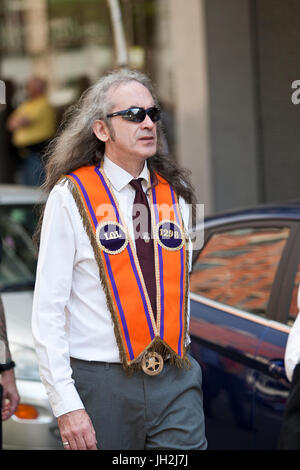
[(169, 235), (111, 237)]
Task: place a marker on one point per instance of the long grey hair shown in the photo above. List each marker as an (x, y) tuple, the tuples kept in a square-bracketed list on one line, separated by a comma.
[(76, 145)]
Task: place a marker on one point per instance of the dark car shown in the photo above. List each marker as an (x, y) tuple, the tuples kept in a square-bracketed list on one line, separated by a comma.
[(244, 289)]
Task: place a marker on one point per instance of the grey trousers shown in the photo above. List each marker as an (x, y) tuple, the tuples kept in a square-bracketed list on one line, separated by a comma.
[(142, 412)]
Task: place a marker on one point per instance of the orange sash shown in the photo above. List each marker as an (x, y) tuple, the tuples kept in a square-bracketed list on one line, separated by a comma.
[(134, 323)]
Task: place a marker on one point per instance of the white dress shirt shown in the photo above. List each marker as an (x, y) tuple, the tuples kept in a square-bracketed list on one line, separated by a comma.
[(292, 351), (70, 317)]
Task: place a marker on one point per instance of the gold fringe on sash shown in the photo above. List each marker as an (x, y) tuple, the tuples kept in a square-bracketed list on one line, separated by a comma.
[(157, 345)]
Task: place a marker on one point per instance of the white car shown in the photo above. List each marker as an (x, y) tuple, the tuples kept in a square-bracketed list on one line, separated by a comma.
[(33, 426)]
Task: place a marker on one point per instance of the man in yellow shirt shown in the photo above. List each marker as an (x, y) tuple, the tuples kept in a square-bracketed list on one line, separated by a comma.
[(33, 124)]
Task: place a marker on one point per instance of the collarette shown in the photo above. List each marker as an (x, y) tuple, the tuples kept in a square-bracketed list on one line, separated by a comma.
[(119, 177)]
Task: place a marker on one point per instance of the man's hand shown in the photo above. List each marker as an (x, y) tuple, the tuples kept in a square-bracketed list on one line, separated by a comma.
[(11, 397), (16, 122), (77, 429)]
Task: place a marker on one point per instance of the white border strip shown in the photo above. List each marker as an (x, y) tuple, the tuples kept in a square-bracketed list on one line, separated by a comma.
[(240, 313)]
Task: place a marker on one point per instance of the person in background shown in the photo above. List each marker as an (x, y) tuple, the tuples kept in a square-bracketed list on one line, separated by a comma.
[(32, 125), (8, 389)]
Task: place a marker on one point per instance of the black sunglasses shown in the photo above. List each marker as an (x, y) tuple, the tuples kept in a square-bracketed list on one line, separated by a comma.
[(136, 114)]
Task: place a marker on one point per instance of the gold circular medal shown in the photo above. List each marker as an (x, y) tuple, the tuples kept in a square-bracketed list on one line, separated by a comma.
[(152, 363)]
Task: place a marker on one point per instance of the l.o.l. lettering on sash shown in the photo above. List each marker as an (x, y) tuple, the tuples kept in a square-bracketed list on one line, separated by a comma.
[(111, 237)]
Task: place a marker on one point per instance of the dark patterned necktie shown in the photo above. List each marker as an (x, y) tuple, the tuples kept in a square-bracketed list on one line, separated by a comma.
[(144, 241)]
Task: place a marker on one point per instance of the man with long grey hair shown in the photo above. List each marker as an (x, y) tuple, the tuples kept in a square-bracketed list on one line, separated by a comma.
[(111, 302)]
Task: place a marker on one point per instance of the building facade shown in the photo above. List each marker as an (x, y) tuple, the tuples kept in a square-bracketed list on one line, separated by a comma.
[(226, 73)]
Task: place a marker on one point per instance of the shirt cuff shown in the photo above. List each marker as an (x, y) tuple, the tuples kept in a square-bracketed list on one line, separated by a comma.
[(64, 399)]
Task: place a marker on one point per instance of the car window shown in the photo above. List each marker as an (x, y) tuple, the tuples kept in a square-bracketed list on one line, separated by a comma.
[(237, 267), (18, 266)]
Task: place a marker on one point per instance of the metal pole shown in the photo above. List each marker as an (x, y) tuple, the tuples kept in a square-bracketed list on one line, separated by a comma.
[(2, 95), (118, 30)]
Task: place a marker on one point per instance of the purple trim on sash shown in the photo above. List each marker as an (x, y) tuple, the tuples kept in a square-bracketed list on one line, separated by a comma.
[(162, 293), (108, 192), (181, 300), (181, 275), (161, 270), (174, 204), (112, 280), (87, 200), (108, 268), (129, 252)]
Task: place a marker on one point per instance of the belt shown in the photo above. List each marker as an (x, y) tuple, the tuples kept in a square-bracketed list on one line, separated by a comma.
[(152, 363)]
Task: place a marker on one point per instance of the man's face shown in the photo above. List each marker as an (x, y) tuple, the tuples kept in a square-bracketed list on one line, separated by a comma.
[(131, 140), (34, 88)]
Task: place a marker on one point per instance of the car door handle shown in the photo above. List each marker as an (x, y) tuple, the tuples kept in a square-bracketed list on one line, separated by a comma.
[(276, 369)]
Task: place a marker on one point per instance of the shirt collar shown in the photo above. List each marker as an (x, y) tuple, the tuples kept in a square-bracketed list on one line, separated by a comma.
[(119, 177)]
